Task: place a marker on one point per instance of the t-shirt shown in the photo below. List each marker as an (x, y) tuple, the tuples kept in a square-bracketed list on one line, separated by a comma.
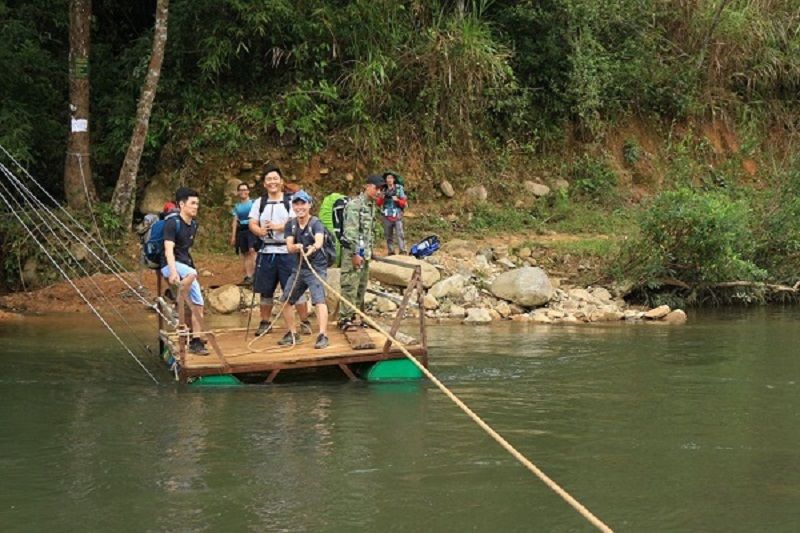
[(242, 211), (274, 211), (305, 236), (182, 234)]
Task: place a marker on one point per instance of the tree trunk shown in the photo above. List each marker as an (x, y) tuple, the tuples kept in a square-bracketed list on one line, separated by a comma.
[(122, 202), (78, 184)]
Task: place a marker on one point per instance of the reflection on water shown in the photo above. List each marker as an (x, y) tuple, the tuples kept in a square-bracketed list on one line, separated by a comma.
[(654, 428)]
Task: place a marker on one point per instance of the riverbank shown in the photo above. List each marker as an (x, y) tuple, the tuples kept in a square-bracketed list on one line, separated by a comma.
[(474, 282)]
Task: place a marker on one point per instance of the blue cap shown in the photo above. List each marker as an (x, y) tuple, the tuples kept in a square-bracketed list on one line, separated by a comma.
[(302, 196)]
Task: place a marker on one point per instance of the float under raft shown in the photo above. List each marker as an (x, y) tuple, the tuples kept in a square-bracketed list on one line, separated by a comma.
[(235, 355)]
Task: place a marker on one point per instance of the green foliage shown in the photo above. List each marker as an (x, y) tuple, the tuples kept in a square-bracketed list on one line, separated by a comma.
[(592, 179), (488, 217), (693, 236), (777, 236)]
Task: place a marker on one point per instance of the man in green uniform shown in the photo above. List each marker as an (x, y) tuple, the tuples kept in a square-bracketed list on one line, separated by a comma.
[(359, 223)]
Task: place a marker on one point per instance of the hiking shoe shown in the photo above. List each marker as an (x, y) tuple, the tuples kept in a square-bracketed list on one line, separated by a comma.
[(322, 342), (198, 347), (305, 328), (264, 327), (345, 324), (289, 339)]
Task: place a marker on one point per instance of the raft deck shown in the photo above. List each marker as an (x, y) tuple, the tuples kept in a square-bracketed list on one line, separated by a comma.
[(264, 355), (232, 353)]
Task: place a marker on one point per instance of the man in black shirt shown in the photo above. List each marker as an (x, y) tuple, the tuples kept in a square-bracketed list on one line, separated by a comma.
[(177, 265)]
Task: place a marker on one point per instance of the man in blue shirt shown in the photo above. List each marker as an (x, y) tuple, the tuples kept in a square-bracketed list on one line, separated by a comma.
[(242, 240)]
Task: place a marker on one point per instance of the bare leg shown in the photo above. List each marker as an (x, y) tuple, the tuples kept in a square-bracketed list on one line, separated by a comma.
[(197, 319), (266, 312), (250, 263), (289, 318), (322, 317), (302, 311)]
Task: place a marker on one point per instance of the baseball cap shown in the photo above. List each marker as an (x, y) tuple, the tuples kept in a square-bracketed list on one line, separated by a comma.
[(169, 206), (376, 180), (301, 196)]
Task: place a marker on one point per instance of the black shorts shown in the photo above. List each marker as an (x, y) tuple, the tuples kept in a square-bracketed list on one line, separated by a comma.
[(245, 240)]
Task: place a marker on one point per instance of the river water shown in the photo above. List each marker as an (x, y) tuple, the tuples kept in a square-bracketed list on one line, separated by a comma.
[(653, 428)]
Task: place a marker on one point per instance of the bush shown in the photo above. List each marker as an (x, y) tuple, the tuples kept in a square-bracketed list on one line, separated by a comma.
[(694, 237), (592, 179)]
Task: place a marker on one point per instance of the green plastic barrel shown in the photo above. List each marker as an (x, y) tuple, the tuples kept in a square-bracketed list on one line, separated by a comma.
[(393, 370), (220, 380)]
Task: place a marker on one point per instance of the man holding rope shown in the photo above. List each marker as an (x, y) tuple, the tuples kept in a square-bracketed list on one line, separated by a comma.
[(305, 235)]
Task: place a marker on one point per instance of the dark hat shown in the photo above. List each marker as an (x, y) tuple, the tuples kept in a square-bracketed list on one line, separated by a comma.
[(376, 180)]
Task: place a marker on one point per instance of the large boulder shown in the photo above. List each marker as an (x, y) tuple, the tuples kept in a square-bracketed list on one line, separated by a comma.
[(678, 316), (399, 276), (527, 286), (658, 312), (224, 299), (156, 194), (452, 287), (478, 316)]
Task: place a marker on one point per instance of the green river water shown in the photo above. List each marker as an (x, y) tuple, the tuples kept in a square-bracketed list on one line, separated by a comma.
[(691, 428)]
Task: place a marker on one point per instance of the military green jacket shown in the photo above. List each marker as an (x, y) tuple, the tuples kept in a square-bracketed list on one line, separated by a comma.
[(359, 222)]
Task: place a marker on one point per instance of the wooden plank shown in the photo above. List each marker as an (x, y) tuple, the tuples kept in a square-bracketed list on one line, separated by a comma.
[(412, 285), (359, 339), (348, 372)]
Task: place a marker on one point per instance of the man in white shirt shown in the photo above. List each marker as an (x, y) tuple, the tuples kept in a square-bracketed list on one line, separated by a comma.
[(267, 220)]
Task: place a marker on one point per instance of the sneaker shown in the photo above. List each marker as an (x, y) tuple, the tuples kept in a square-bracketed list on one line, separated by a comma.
[(322, 342), (264, 327), (305, 328), (289, 339), (198, 347)]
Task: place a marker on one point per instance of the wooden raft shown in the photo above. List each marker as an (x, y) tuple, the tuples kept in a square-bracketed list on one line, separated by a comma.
[(265, 355), (230, 353)]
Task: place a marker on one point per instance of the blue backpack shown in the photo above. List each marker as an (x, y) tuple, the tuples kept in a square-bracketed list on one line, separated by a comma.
[(153, 245), (426, 246)]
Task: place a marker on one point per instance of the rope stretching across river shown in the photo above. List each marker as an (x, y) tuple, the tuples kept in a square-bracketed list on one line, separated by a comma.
[(599, 524)]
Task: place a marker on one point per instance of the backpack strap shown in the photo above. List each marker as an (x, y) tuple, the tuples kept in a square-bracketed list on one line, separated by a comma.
[(264, 200)]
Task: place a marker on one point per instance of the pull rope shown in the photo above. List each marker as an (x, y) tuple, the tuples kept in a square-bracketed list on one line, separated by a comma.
[(277, 316), (80, 293), (599, 524), (117, 266), (51, 237), (114, 270)]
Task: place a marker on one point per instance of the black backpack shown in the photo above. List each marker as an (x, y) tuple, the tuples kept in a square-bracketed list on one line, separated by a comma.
[(328, 242)]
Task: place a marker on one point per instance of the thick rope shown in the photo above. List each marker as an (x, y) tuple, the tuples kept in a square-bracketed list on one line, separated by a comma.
[(118, 268), (86, 300), (35, 200), (477, 419), (53, 240), (273, 321)]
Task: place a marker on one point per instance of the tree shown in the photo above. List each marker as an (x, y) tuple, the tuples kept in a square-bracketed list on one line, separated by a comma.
[(122, 201), (78, 184)]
